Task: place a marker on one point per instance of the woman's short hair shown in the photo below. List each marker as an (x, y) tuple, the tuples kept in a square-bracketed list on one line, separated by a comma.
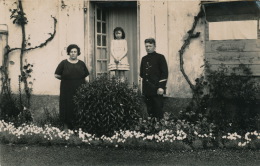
[(71, 46), (119, 29), (150, 41)]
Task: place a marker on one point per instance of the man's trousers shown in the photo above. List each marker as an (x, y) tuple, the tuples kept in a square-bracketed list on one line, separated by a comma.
[(154, 106)]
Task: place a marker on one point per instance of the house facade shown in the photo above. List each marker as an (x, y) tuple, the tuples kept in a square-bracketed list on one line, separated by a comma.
[(90, 24), (232, 34)]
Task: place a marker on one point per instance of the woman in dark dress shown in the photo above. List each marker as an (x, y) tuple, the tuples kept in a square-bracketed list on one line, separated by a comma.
[(72, 72)]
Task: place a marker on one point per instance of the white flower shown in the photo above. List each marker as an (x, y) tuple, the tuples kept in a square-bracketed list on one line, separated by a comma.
[(150, 137), (239, 144), (244, 144), (179, 138)]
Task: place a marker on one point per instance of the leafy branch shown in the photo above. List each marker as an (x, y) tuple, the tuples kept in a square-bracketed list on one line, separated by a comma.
[(19, 18), (40, 45)]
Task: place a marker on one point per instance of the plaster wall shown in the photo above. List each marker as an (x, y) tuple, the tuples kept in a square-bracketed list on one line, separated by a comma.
[(70, 17), (167, 21), (180, 20)]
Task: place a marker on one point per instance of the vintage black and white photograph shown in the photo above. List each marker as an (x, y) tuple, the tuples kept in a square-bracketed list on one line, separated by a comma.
[(129, 82)]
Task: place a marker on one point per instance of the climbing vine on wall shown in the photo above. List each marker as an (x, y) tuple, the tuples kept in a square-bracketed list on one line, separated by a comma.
[(191, 35), (19, 18)]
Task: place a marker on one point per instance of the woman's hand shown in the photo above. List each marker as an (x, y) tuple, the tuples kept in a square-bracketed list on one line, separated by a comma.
[(57, 76), (116, 61), (86, 79)]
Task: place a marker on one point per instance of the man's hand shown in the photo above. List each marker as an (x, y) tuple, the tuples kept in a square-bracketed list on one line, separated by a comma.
[(160, 91)]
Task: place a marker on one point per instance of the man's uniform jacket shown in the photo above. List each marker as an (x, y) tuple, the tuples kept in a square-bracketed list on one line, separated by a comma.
[(154, 71)]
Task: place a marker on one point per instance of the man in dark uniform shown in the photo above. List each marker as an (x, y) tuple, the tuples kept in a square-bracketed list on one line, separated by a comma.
[(154, 72)]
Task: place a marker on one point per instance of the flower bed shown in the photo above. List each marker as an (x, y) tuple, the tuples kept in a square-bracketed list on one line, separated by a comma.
[(165, 139)]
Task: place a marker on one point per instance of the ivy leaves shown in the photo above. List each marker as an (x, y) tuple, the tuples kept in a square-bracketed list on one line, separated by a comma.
[(26, 73), (18, 17)]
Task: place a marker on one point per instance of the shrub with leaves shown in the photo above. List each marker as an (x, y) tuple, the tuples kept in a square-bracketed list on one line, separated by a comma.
[(226, 100), (151, 126), (9, 110), (106, 105), (12, 107)]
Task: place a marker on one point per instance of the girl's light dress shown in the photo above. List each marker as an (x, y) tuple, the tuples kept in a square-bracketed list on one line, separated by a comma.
[(118, 50)]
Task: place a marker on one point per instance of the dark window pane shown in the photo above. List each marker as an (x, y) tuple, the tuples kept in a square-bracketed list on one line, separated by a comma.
[(98, 14), (103, 53), (104, 15), (104, 28), (99, 40), (99, 53), (99, 66), (104, 66), (104, 41), (98, 27)]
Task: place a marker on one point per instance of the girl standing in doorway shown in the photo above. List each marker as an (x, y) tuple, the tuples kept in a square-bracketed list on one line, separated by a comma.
[(118, 57)]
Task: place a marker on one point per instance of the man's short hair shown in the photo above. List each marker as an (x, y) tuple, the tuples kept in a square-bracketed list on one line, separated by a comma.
[(150, 40)]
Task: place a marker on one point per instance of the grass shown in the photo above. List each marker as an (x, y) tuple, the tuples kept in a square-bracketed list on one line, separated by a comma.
[(24, 155)]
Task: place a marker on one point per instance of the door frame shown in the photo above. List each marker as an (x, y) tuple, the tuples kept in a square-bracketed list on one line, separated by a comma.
[(91, 37)]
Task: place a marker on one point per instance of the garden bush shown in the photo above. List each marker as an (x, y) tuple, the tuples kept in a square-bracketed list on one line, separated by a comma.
[(228, 101), (106, 105), (12, 108), (200, 130), (9, 110)]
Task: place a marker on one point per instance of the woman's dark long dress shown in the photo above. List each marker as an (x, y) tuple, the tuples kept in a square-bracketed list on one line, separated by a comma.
[(72, 77)]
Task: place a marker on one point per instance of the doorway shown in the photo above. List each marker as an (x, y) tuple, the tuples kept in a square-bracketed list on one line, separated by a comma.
[(109, 15)]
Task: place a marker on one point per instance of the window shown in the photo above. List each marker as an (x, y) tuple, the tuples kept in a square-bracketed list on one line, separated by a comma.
[(101, 57), (3, 41), (232, 30)]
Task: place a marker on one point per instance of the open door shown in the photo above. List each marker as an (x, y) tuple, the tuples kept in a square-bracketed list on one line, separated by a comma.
[(109, 15)]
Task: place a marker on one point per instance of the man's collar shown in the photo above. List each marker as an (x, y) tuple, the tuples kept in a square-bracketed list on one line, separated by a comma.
[(152, 53)]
